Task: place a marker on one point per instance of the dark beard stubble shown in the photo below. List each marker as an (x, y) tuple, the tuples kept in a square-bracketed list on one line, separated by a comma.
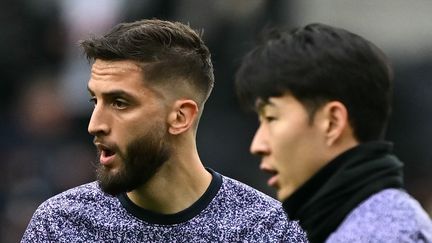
[(143, 158)]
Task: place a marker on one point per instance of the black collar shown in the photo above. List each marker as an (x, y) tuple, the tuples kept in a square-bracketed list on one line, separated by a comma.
[(182, 216), (323, 202)]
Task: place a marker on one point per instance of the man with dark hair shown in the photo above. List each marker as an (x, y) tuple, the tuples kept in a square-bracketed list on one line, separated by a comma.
[(149, 82), (323, 97)]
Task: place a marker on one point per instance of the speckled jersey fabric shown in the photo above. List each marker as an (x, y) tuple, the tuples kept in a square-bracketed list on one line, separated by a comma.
[(229, 211), (388, 216)]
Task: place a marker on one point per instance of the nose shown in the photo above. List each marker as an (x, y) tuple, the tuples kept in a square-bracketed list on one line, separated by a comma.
[(259, 144), (98, 124)]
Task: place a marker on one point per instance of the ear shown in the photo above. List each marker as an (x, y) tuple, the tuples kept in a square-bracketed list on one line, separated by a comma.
[(336, 122), (182, 116)]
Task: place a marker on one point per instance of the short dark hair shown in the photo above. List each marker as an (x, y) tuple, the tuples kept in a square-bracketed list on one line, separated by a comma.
[(320, 63), (167, 51)]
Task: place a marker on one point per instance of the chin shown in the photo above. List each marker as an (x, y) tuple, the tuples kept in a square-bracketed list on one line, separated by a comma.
[(284, 194)]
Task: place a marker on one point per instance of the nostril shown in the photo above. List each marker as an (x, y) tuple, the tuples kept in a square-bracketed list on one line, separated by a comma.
[(258, 149), (98, 129), (258, 153), (98, 123)]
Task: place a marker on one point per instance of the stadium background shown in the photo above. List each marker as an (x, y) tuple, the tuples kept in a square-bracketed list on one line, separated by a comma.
[(45, 147)]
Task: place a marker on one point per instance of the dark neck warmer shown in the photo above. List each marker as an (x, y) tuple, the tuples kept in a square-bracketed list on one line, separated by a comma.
[(323, 202)]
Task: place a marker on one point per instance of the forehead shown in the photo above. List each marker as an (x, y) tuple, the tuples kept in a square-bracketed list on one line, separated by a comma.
[(124, 73), (115, 68), (282, 103), (263, 104)]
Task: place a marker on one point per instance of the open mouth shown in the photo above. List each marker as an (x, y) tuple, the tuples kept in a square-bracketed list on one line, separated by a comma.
[(273, 180), (106, 154)]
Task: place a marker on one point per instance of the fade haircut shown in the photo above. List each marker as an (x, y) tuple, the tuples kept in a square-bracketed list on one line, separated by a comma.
[(317, 64), (168, 53)]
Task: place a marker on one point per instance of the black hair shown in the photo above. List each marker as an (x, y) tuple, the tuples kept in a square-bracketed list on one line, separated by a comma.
[(316, 64), (168, 51)]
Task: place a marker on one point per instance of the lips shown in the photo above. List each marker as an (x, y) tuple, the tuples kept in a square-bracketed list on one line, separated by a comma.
[(273, 181), (107, 153)]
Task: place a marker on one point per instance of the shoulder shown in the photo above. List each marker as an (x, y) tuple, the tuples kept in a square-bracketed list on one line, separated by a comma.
[(261, 212), (87, 194), (241, 193), (69, 209), (391, 214)]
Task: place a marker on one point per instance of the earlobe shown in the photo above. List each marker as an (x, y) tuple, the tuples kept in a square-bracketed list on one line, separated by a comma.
[(337, 121), (182, 116)]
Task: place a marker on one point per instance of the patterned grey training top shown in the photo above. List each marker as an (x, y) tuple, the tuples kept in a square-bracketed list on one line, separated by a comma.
[(229, 211), (388, 216)]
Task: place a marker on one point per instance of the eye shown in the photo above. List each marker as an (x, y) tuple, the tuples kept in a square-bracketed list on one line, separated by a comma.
[(119, 104), (270, 119), (267, 119)]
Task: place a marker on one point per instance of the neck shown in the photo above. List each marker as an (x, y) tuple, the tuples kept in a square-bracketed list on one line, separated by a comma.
[(179, 183), (339, 187)]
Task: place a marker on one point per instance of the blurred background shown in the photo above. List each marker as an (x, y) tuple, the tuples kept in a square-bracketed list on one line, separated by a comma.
[(45, 148)]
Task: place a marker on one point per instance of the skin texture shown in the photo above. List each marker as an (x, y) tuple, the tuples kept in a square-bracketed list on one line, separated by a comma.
[(293, 147), (133, 150), (145, 137)]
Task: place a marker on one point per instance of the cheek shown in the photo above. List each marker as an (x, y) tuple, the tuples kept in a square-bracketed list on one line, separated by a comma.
[(283, 140), (292, 148), (127, 133)]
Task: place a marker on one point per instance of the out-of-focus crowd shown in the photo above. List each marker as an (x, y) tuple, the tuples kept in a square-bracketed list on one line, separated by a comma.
[(44, 145)]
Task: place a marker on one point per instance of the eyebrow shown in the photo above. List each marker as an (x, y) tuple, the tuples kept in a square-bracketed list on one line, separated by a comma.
[(261, 104), (112, 93)]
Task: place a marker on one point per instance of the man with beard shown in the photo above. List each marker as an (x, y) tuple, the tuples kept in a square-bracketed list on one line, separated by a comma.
[(323, 98), (149, 82)]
